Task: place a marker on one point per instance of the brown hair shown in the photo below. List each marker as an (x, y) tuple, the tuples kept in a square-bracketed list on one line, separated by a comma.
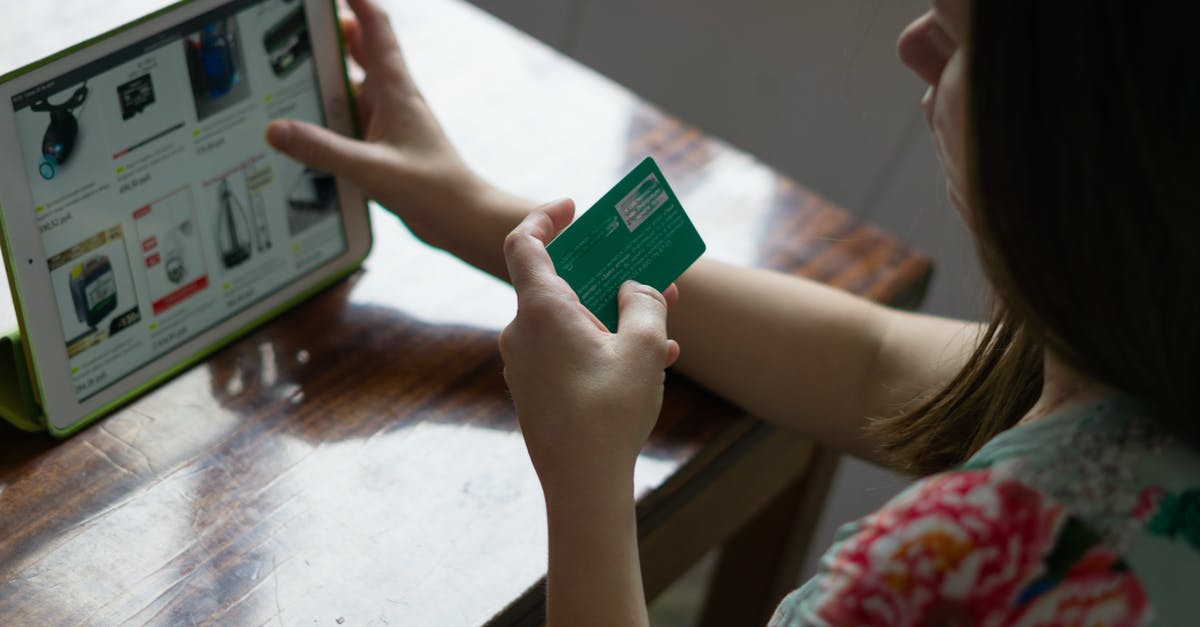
[(1085, 143)]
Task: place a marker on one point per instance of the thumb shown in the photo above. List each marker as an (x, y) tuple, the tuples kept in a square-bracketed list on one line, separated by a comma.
[(642, 315), (321, 148)]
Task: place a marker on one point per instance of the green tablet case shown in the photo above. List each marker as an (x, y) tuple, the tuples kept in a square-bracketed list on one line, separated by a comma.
[(16, 390)]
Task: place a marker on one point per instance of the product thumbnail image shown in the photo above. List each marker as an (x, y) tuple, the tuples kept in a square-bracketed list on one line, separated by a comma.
[(93, 290), (172, 257), (59, 139), (286, 43), (135, 95), (215, 67), (311, 199), (233, 228)]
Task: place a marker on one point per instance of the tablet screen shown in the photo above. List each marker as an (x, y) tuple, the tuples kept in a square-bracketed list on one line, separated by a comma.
[(160, 206)]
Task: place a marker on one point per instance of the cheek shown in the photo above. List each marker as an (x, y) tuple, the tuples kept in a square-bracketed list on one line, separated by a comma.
[(949, 123)]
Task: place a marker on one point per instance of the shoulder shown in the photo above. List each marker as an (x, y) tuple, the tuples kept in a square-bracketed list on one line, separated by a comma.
[(970, 546)]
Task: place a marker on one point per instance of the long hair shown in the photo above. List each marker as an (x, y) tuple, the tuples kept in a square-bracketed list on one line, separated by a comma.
[(1084, 200)]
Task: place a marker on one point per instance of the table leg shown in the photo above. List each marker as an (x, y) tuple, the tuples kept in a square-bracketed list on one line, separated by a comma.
[(760, 563)]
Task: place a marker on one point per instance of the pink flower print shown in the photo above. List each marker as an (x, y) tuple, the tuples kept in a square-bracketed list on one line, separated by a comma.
[(960, 543), (1096, 591)]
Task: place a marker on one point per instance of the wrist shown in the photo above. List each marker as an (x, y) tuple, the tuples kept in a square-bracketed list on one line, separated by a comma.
[(483, 215), (594, 577), (449, 199), (496, 208), (580, 489)]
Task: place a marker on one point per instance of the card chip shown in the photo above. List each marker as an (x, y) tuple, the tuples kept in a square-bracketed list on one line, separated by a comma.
[(642, 202)]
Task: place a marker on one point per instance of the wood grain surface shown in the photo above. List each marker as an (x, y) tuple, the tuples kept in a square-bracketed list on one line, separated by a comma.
[(357, 461)]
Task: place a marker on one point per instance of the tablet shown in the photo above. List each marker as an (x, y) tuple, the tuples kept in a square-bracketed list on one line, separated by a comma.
[(145, 220)]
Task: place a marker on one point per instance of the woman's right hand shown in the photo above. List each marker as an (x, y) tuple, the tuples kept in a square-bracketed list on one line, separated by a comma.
[(404, 161), (586, 398)]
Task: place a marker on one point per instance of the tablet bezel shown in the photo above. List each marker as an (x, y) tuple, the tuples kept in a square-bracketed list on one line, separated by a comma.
[(29, 275)]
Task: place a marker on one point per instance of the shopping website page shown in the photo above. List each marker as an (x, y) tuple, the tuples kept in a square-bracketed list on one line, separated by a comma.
[(162, 209)]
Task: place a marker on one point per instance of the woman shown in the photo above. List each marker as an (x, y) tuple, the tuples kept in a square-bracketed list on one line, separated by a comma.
[(1069, 479)]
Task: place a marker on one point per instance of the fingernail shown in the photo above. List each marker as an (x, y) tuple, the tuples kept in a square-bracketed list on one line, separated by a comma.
[(279, 134)]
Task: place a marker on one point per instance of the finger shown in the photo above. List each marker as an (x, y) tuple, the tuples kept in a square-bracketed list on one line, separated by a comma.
[(561, 212), (379, 42), (352, 35), (641, 314), (321, 148), (672, 353), (525, 247), (671, 294), (587, 313), (364, 100)]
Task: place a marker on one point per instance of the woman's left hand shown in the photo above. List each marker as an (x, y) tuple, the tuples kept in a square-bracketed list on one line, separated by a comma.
[(586, 398)]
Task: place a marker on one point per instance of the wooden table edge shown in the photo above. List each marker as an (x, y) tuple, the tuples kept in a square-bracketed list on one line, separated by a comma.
[(791, 497)]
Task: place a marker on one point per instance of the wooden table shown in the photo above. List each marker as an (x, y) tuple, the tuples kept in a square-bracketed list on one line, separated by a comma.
[(357, 461)]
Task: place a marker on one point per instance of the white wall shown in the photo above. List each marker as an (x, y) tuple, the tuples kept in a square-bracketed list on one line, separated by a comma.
[(813, 88)]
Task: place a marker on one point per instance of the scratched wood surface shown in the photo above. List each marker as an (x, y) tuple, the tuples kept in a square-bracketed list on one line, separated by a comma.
[(356, 460)]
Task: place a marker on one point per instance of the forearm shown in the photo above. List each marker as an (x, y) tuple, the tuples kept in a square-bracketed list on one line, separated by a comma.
[(482, 216), (792, 351), (594, 577), (808, 356)]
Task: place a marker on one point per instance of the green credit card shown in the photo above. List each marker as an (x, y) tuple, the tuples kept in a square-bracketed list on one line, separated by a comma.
[(637, 231)]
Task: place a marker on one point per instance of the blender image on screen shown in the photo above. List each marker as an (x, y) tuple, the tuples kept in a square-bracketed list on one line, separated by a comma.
[(233, 227), (215, 67)]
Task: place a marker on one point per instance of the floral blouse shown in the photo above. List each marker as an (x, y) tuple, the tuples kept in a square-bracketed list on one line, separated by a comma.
[(1090, 516)]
